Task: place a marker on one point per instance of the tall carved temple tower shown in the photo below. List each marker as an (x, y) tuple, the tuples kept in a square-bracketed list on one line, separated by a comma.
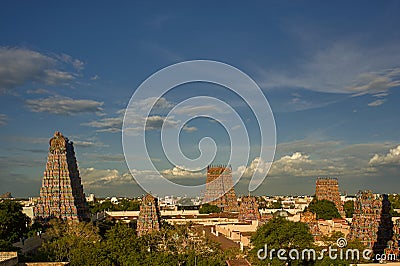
[(219, 188), (372, 223), (149, 216), (328, 189), (61, 194)]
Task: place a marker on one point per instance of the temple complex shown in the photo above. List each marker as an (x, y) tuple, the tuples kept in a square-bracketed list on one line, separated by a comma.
[(310, 219), (393, 246), (372, 223), (248, 210), (149, 219), (328, 189), (61, 194), (219, 188)]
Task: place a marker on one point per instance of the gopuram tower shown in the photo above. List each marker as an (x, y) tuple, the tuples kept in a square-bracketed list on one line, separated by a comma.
[(372, 223), (149, 219), (248, 210), (61, 194), (328, 189), (219, 188)]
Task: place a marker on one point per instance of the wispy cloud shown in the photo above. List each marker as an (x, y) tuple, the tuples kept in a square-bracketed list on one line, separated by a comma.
[(344, 66), (376, 83), (39, 91), (3, 119), (376, 103), (107, 124), (19, 66), (136, 122), (64, 105), (87, 144)]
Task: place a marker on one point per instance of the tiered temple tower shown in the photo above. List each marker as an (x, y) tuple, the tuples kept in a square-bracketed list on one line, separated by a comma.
[(372, 223), (149, 219), (248, 210), (393, 246), (61, 194), (328, 189), (219, 188)]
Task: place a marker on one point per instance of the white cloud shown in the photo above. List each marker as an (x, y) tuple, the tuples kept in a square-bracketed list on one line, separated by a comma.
[(86, 144), (156, 122), (94, 178), (107, 124), (297, 164), (178, 172), (95, 77), (391, 158), (376, 83), (376, 103), (39, 91), (159, 104), (3, 119), (19, 66), (76, 63), (135, 121), (189, 129), (64, 105), (258, 166), (341, 67)]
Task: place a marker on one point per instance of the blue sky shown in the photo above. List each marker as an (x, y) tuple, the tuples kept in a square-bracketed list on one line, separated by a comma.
[(331, 73)]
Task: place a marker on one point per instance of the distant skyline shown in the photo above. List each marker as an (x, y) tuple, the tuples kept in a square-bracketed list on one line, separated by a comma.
[(330, 72)]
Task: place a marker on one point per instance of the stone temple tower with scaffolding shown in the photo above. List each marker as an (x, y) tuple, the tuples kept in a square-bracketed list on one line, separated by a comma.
[(328, 189), (219, 188), (61, 194)]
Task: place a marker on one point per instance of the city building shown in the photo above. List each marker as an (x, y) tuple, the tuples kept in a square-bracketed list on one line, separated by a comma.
[(372, 223), (219, 188), (310, 219), (61, 194), (328, 189), (248, 210), (91, 198), (149, 216)]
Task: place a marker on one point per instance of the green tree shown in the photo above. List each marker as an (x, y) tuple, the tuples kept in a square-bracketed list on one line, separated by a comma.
[(275, 204), (107, 205), (128, 205), (331, 241), (96, 207), (394, 204), (70, 241), (349, 208), (324, 209), (279, 233), (208, 208), (13, 224)]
